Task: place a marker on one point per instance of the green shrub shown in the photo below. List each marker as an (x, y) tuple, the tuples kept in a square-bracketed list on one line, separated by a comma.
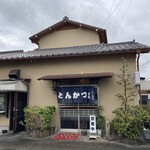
[(130, 124), (100, 120), (147, 109), (36, 117), (129, 120)]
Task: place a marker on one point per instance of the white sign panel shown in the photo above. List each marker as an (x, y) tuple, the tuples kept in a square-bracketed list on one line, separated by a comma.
[(92, 124)]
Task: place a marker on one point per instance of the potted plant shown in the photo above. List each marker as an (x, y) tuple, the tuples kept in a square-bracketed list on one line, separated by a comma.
[(37, 121), (100, 121)]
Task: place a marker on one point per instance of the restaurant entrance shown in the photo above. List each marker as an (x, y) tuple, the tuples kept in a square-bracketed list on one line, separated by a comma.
[(77, 103)]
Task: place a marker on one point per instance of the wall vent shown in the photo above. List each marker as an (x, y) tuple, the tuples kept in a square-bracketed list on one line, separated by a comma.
[(14, 74)]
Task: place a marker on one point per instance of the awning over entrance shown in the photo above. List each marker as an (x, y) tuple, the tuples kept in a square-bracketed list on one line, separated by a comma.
[(18, 86), (77, 76)]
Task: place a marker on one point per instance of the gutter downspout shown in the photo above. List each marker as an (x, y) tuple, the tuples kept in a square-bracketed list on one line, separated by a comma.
[(138, 69)]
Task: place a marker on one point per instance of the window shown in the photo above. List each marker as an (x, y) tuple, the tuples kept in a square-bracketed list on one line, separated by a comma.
[(70, 119), (145, 99), (2, 102)]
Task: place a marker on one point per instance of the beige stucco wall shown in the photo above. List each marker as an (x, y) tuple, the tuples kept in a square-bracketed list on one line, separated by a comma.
[(41, 91), (4, 122), (108, 90), (66, 38)]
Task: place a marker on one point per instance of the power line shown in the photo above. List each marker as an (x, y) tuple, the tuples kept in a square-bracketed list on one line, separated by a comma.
[(112, 13), (91, 10), (3, 13), (114, 25), (125, 13), (139, 21), (112, 5), (145, 64)]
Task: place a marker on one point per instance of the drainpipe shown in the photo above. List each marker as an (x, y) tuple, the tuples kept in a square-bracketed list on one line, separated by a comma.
[(138, 69)]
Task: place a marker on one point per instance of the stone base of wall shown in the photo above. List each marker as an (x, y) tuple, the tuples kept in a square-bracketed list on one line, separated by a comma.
[(37, 133)]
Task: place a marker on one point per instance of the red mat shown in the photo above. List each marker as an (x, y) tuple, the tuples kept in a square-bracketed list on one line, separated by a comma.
[(66, 136)]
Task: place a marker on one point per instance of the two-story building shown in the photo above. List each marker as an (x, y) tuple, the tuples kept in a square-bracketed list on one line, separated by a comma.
[(74, 68)]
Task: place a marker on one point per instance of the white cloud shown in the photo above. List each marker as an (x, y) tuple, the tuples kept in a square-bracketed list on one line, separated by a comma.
[(21, 19)]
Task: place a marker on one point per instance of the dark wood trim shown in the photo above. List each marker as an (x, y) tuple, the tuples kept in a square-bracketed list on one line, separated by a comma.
[(14, 112), (7, 104), (11, 110), (60, 25), (68, 27)]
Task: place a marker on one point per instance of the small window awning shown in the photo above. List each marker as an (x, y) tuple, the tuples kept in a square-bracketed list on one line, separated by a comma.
[(77, 76), (17, 86)]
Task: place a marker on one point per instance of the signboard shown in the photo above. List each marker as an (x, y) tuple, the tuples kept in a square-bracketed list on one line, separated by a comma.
[(92, 124), (76, 94)]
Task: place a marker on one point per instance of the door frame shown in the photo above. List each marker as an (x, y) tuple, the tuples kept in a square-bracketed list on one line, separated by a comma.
[(11, 106), (13, 121)]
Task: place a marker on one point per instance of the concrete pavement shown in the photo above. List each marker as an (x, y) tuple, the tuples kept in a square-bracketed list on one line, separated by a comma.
[(19, 141)]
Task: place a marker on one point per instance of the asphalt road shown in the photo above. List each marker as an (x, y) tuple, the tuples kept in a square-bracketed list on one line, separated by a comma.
[(20, 142)]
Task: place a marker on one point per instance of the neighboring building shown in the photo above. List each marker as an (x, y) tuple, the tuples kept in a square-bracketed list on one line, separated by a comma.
[(145, 91), (74, 69)]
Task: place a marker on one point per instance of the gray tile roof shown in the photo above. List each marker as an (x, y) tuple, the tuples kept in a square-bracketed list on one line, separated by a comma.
[(97, 49), (13, 51)]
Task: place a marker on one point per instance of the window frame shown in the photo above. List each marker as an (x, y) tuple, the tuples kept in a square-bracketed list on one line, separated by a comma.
[(4, 95), (147, 103)]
